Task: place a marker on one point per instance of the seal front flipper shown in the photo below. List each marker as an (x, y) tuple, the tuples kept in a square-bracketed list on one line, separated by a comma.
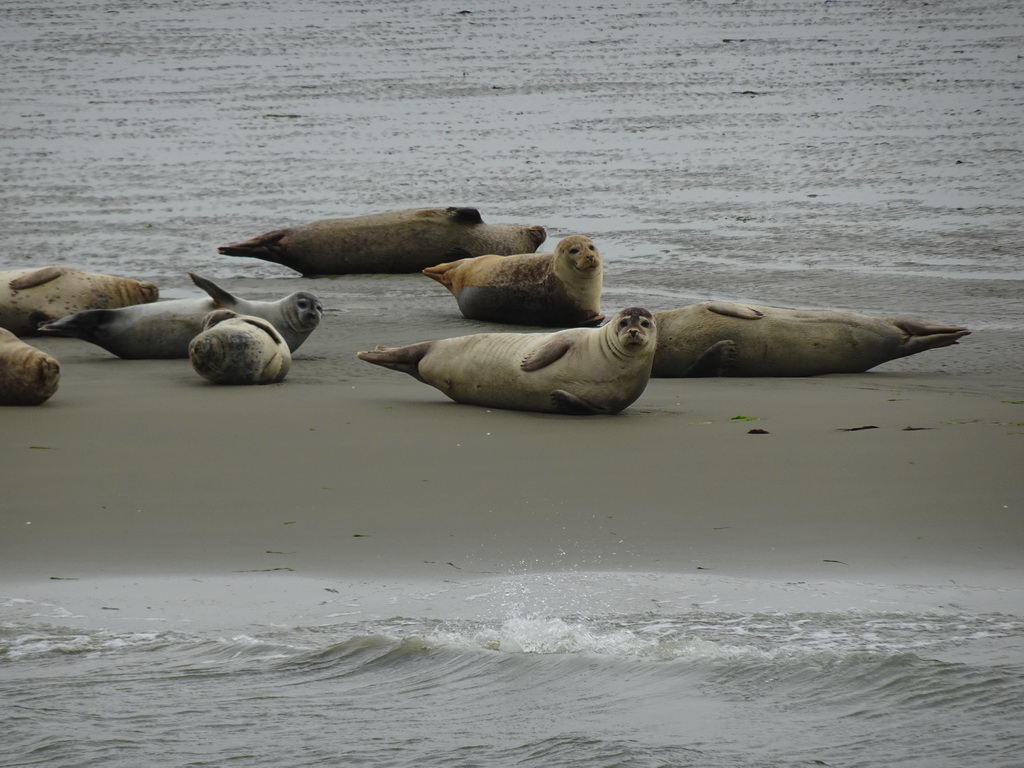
[(465, 215), (39, 277), (218, 294), (547, 354), (593, 320), (729, 309), (572, 405), (716, 360), (405, 359)]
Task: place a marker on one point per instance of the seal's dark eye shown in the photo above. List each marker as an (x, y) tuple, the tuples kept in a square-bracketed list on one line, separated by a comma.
[(623, 323), (574, 250), (645, 323)]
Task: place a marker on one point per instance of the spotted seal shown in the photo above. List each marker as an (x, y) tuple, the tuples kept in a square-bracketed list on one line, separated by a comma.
[(396, 241), (721, 338), (577, 371), (31, 297), (164, 329), (239, 349), (560, 289), (28, 376)]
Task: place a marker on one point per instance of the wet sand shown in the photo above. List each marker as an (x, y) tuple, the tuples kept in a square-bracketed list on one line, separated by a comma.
[(352, 475)]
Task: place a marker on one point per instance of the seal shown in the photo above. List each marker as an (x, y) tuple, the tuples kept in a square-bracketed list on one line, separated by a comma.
[(31, 297), (561, 289), (396, 241), (239, 349), (28, 376), (579, 371), (164, 329), (720, 338)]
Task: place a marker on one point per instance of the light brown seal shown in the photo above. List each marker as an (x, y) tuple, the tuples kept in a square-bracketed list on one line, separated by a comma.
[(28, 376), (31, 297), (578, 371), (396, 241), (164, 329), (560, 289), (720, 338), (239, 349)]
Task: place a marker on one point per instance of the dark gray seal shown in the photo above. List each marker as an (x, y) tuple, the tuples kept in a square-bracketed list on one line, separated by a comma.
[(164, 329)]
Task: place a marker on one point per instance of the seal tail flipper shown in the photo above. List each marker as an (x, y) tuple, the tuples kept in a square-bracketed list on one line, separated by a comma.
[(439, 272), (266, 246), (38, 277), (405, 359), (922, 335), (222, 297), (570, 404), (80, 325)]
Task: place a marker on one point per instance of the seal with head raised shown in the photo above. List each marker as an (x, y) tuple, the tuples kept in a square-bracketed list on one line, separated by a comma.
[(396, 241), (560, 289), (720, 338), (28, 376), (577, 371), (31, 297), (239, 349), (164, 329)]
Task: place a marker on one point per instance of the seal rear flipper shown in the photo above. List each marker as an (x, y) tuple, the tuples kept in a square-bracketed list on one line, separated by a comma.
[(716, 360), (80, 325), (36, 278), (546, 354), (922, 335), (267, 247), (218, 294), (569, 404), (439, 272), (593, 320), (729, 309), (405, 359)]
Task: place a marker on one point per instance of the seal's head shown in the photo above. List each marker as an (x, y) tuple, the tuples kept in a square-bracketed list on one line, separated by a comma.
[(303, 311), (634, 328), (580, 252)]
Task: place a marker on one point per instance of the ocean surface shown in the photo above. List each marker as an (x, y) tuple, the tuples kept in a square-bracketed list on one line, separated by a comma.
[(548, 673), (827, 155)]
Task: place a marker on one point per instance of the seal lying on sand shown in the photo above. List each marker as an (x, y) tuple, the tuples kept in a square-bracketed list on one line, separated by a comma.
[(239, 349), (561, 289), (28, 376), (720, 338), (30, 297), (398, 241), (164, 329), (580, 371)]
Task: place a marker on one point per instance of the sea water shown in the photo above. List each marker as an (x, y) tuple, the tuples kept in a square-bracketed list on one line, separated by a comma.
[(701, 684)]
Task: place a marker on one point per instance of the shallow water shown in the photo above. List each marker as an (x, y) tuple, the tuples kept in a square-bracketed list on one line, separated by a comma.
[(702, 686), (867, 157)]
